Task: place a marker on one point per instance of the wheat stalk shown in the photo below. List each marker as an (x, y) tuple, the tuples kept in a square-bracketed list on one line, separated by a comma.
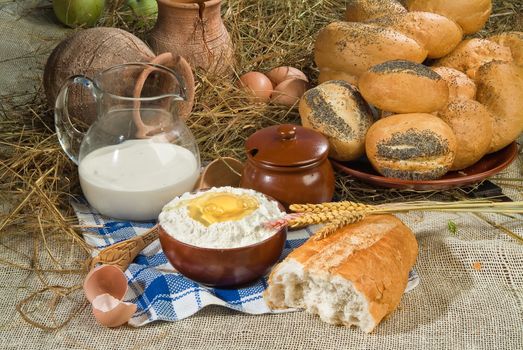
[(334, 225)]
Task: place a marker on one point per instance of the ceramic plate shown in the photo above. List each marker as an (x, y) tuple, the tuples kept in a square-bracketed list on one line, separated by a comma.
[(487, 166)]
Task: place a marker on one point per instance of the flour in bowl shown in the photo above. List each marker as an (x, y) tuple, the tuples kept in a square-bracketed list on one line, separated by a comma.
[(224, 217)]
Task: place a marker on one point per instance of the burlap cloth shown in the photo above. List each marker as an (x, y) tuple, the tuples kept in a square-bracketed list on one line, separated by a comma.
[(470, 296)]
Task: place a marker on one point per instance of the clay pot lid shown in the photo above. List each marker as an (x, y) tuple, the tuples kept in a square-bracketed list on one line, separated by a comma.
[(287, 145)]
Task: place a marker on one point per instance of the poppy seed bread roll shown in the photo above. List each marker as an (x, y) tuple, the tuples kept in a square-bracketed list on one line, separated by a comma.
[(438, 34), (500, 89), (364, 10), (471, 54), (345, 50), (354, 277), (415, 146), (472, 126), (404, 87), (337, 110), (471, 15), (512, 40), (460, 85)]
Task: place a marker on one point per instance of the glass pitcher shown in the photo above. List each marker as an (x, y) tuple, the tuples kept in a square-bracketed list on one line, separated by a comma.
[(138, 154)]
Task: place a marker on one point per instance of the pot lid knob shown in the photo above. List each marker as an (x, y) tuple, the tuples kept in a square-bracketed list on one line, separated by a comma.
[(287, 132)]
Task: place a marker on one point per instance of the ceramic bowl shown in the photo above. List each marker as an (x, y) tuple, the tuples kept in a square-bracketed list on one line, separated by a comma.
[(227, 267)]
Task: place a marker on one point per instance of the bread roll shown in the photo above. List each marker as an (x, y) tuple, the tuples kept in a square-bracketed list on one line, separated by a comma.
[(354, 277), (472, 126), (438, 34), (500, 89), (472, 54), (337, 110), (471, 15), (512, 40), (364, 10), (404, 87), (460, 85), (413, 146), (344, 50)]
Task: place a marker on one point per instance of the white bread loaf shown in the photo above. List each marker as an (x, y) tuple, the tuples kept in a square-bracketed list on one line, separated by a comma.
[(404, 87), (354, 277), (472, 126), (471, 54), (460, 85), (471, 15), (438, 34), (512, 40), (364, 10), (414, 146), (500, 89), (337, 110), (344, 50)]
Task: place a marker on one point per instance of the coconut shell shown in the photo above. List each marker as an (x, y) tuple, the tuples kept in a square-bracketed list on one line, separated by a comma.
[(88, 52)]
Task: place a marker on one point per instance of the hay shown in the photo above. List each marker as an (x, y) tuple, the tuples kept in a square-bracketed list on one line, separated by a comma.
[(37, 180)]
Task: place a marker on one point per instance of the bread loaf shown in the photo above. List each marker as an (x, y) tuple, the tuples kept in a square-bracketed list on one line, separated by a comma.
[(404, 87), (438, 34), (471, 15), (472, 126), (364, 10), (460, 85), (471, 54), (512, 40), (413, 146), (354, 277), (344, 50), (337, 110), (500, 89)]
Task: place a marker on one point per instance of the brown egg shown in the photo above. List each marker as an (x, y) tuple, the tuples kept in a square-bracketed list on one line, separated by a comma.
[(289, 92), (280, 74), (257, 84), (105, 279), (111, 312)]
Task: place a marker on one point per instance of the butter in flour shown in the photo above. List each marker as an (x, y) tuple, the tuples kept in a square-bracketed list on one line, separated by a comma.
[(224, 217)]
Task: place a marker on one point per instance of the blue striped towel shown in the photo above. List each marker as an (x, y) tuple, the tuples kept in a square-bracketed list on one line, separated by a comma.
[(158, 290)]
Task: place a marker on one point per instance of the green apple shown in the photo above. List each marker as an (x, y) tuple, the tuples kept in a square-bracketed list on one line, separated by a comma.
[(143, 8), (74, 13)]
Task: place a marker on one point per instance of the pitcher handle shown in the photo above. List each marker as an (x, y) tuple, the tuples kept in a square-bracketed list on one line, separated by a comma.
[(70, 137)]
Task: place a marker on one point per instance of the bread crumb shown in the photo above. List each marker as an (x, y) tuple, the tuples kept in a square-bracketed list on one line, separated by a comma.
[(476, 266)]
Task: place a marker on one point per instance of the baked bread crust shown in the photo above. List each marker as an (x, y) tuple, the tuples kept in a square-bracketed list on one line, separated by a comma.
[(364, 10), (345, 50), (512, 40), (471, 15), (373, 256), (460, 85), (404, 87)]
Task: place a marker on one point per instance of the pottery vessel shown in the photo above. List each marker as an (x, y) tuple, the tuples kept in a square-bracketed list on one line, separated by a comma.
[(289, 163), (194, 30)]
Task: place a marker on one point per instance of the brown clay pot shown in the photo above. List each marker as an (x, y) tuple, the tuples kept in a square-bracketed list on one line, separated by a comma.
[(194, 30), (289, 163)]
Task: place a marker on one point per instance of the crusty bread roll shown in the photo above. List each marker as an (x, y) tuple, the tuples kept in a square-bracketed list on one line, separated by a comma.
[(438, 34), (500, 89), (364, 10), (460, 85), (471, 54), (415, 146), (404, 87), (344, 50), (472, 126), (337, 110), (471, 15), (512, 40), (354, 277)]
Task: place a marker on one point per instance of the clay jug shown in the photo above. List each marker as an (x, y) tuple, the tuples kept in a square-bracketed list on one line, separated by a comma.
[(195, 30)]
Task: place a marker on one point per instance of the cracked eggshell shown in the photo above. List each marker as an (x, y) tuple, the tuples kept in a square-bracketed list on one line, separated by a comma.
[(105, 279), (111, 312)]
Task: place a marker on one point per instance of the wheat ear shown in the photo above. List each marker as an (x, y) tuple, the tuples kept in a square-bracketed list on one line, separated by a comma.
[(325, 207), (334, 225)]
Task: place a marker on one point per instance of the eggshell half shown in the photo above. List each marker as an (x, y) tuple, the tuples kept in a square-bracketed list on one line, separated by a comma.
[(280, 74), (257, 84), (105, 279), (289, 92), (111, 312)]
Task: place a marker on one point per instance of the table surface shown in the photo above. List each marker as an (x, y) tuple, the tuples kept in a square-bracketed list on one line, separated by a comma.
[(470, 296)]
